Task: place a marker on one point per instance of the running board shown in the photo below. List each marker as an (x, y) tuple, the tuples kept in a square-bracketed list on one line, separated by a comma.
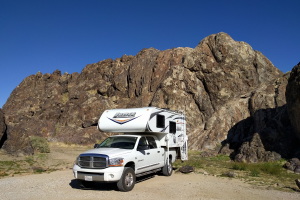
[(148, 172)]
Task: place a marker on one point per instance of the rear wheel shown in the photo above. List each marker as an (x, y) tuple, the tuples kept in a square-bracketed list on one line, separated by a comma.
[(167, 170), (127, 181)]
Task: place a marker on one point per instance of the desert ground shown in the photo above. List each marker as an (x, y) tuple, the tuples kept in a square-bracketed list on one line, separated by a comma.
[(60, 183)]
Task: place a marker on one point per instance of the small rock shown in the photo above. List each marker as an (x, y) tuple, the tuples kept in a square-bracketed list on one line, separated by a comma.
[(276, 185), (297, 169), (205, 173), (230, 174), (289, 166), (293, 165)]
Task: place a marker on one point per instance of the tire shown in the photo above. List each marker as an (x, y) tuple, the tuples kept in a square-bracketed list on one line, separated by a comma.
[(167, 170), (127, 181)]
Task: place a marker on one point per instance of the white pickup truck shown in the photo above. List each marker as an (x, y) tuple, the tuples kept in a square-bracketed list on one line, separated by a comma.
[(153, 139)]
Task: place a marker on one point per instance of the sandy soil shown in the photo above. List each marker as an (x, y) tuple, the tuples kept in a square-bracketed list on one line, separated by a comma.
[(61, 185)]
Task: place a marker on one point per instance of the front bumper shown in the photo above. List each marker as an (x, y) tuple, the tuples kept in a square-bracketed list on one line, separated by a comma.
[(110, 174)]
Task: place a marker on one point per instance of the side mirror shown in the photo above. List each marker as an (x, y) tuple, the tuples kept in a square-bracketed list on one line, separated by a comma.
[(96, 146)]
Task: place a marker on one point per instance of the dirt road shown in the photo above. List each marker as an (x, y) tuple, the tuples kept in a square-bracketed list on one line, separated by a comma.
[(60, 185)]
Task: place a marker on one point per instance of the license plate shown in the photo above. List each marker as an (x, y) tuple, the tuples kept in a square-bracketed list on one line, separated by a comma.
[(88, 178)]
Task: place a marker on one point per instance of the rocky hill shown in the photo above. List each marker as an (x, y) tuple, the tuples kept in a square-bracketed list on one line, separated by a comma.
[(293, 98), (232, 96)]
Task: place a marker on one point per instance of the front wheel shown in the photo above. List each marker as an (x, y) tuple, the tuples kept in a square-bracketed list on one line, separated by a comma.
[(168, 168), (127, 181)]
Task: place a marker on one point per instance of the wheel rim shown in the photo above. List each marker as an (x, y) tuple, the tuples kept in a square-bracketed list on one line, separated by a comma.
[(129, 179), (169, 168)]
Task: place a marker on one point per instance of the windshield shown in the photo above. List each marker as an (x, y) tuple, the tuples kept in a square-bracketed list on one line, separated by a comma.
[(118, 142)]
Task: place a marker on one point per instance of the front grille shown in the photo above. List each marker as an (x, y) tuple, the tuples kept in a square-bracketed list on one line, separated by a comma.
[(93, 161)]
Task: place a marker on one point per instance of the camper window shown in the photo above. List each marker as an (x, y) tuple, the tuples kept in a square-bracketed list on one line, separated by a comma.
[(160, 121), (172, 127)]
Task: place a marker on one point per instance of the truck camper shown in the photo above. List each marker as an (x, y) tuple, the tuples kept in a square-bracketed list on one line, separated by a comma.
[(152, 139)]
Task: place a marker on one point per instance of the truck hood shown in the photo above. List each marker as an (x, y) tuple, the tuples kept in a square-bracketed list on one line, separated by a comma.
[(111, 152)]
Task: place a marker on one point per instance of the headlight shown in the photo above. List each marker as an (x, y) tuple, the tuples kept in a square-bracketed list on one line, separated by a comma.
[(116, 162)]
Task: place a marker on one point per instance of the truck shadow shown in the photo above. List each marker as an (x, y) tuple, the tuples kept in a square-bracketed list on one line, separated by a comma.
[(75, 184), (101, 186)]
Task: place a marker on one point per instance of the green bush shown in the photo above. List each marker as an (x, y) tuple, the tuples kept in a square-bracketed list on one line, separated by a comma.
[(239, 166), (254, 172), (220, 158), (255, 169), (270, 168), (39, 144)]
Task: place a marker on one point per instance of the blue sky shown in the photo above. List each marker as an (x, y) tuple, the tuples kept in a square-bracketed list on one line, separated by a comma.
[(45, 35)]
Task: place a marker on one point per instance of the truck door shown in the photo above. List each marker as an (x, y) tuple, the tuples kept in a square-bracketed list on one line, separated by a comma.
[(157, 153), (148, 157)]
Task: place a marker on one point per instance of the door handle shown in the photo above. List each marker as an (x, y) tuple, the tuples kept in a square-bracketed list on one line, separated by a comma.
[(148, 153), (158, 151)]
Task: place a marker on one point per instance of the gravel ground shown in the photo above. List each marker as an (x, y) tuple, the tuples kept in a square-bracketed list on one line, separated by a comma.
[(61, 185)]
